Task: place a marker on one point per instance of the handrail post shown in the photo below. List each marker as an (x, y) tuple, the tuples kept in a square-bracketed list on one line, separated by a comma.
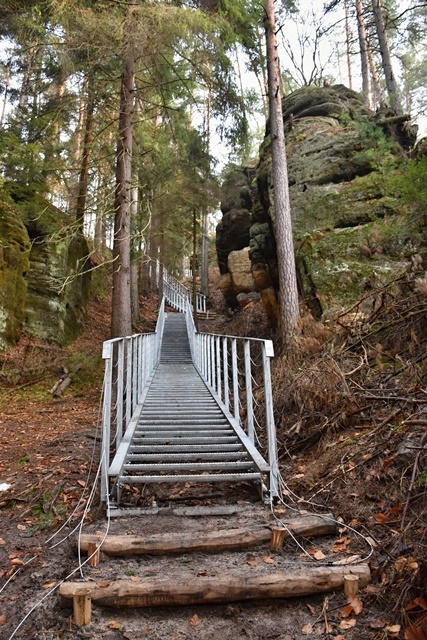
[(267, 353), (218, 366), (213, 371), (119, 400), (134, 372), (248, 385), (235, 374), (128, 379), (225, 373), (107, 353)]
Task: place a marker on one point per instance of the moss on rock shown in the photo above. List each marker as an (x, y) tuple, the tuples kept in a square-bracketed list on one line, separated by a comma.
[(14, 264)]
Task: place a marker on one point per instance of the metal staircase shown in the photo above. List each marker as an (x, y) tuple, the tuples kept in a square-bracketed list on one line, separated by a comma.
[(181, 407), (182, 435)]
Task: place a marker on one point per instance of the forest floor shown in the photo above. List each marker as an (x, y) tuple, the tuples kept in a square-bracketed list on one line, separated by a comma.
[(351, 413)]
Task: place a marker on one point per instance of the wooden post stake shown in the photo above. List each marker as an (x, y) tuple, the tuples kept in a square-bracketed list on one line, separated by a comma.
[(82, 606), (92, 548), (351, 585), (277, 537)]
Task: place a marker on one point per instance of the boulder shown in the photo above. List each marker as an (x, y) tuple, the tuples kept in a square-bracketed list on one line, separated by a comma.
[(239, 266), (232, 234)]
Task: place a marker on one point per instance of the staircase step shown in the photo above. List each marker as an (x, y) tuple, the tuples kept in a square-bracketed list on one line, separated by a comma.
[(182, 457), (208, 477), (189, 466), (196, 448)]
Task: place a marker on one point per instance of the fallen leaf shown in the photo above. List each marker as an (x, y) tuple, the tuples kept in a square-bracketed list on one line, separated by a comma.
[(2, 620), (418, 602), (48, 585), (268, 560), (355, 604), (381, 517), (103, 583), (393, 630), (340, 637), (113, 624), (2, 542), (311, 609), (21, 527), (16, 562), (307, 629), (195, 620), (347, 624), (414, 633), (82, 483), (346, 611), (380, 623), (251, 562), (400, 563), (318, 554)]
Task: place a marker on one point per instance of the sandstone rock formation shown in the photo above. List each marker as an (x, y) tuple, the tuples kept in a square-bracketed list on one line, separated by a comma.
[(346, 225), (41, 291)]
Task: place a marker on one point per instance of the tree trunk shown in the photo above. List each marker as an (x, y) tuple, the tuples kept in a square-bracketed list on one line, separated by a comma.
[(364, 61), (6, 91), (194, 270), (376, 84), (26, 81), (135, 254), (348, 45), (204, 272), (217, 541), (121, 317), (234, 586), (84, 169), (289, 310), (390, 80)]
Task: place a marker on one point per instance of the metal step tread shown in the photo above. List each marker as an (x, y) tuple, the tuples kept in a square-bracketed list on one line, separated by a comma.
[(207, 477), (182, 457), (189, 448), (189, 466)]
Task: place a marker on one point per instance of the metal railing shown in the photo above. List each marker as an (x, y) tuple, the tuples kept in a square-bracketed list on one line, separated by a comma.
[(237, 372), (129, 365), (177, 294)]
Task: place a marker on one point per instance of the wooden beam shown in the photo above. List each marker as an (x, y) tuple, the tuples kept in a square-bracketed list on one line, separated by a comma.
[(210, 542), (153, 592)]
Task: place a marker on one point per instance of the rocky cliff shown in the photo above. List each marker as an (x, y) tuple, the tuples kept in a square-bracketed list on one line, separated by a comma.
[(41, 291), (349, 230)]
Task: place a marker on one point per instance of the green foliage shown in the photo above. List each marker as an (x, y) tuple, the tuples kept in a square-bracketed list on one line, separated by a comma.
[(412, 185), (378, 149), (86, 368), (47, 516), (24, 460), (422, 478)]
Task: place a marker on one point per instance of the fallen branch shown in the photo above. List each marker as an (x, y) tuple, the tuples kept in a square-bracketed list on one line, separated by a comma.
[(63, 383), (153, 592)]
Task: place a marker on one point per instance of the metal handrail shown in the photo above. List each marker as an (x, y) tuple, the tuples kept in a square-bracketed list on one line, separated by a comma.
[(129, 365), (177, 294), (227, 366)]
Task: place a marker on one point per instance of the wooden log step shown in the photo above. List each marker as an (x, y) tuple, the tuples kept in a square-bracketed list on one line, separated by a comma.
[(206, 541), (152, 592)]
